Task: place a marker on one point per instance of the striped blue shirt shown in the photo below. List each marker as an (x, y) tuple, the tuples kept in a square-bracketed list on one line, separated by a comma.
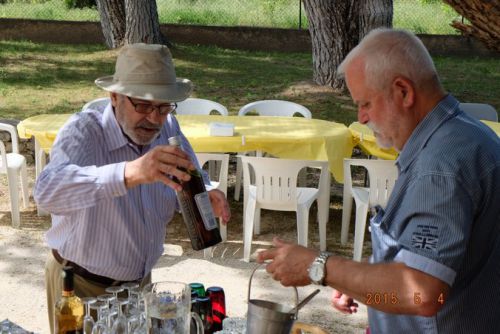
[(96, 222), (443, 218)]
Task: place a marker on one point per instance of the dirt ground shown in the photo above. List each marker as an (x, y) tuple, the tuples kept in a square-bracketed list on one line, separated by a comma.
[(23, 252)]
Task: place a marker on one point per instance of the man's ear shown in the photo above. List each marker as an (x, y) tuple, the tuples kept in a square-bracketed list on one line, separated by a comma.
[(403, 91), (114, 98)]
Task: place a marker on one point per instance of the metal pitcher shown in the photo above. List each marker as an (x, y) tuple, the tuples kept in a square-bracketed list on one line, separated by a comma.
[(265, 317)]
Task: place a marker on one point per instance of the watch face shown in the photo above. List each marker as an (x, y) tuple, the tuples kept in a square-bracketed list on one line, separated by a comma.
[(316, 272)]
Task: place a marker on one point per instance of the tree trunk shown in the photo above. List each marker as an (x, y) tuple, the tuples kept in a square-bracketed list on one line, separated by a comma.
[(112, 14), (130, 21), (374, 14), (336, 27), (142, 22), (484, 16)]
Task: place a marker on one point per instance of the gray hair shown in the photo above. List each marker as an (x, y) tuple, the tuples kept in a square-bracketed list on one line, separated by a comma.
[(388, 53)]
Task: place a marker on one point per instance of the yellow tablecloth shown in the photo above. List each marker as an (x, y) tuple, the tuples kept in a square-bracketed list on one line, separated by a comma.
[(495, 126), (284, 137), (363, 137), (43, 127)]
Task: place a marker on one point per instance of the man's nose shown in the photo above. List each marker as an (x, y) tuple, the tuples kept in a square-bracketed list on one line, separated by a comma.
[(155, 117)]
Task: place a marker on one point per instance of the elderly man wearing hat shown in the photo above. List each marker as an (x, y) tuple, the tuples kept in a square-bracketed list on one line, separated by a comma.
[(107, 185)]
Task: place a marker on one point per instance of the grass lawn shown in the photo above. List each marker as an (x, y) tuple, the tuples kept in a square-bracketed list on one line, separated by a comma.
[(430, 17), (51, 78)]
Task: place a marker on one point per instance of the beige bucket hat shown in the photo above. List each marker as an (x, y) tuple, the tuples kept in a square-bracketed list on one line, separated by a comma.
[(146, 71)]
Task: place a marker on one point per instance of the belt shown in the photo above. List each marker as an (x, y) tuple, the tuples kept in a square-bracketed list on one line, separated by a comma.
[(84, 273)]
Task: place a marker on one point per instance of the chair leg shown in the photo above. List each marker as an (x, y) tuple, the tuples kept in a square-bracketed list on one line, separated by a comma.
[(346, 217), (323, 213), (248, 221), (14, 197), (208, 253), (302, 226), (239, 177), (223, 230), (256, 222), (40, 161), (24, 185), (359, 230)]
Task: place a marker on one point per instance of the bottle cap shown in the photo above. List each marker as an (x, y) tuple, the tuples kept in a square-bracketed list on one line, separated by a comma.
[(174, 141)]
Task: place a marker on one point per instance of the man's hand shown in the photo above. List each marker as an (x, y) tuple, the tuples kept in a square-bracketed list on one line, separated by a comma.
[(290, 262), (220, 205), (343, 303), (156, 164)]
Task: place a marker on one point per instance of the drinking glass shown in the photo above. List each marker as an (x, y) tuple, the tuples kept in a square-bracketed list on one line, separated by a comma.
[(88, 321), (168, 308), (133, 296), (115, 290), (100, 326), (120, 324)]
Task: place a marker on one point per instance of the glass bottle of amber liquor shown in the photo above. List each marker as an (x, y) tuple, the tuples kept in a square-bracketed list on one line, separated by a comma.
[(69, 308), (196, 208)]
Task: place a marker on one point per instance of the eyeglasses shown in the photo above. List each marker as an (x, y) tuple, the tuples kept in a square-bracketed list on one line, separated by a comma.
[(148, 108)]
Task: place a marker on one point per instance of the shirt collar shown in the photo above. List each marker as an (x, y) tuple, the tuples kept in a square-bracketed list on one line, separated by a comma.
[(443, 111), (112, 131)]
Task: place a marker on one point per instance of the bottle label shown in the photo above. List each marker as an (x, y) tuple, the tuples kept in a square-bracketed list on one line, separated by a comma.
[(206, 212)]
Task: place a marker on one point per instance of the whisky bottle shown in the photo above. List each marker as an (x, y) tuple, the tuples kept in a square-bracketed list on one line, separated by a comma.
[(196, 208), (69, 308)]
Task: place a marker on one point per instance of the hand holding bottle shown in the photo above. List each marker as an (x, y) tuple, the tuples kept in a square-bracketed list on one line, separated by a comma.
[(220, 205), (156, 164)]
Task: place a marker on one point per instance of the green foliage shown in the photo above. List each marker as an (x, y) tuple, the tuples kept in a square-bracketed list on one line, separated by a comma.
[(24, 1), (431, 17), (80, 4), (55, 78)]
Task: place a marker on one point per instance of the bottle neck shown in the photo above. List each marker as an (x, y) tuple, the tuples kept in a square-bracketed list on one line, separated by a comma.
[(69, 293)]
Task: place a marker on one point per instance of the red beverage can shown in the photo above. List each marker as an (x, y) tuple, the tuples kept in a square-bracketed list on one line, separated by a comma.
[(218, 300)]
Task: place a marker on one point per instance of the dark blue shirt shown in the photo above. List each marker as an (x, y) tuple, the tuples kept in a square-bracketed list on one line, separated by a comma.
[(443, 218)]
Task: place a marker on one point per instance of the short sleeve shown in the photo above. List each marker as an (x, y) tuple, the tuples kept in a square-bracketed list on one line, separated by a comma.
[(440, 212)]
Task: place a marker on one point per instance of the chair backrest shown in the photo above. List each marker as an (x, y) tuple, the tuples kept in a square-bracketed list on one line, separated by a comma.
[(97, 104), (13, 136), (382, 175), (276, 179), (195, 106), (3, 159), (275, 108), (480, 111), (224, 166)]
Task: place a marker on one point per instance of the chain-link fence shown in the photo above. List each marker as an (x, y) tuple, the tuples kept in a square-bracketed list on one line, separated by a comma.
[(419, 16)]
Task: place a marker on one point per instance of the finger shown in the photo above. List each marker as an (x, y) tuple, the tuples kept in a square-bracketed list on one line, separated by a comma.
[(345, 300), (169, 182), (174, 156), (220, 205), (269, 254), (277, 242), (336, 293)]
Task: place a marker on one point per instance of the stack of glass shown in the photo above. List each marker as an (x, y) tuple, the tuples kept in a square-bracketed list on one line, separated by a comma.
[(116, 315)]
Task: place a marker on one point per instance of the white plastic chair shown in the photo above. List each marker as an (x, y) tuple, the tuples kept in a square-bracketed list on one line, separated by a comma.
[(275, 188), (220, 184), (267, 108), (195, 106), (14, 165), (480, 111), (275, 108), (97, 104), (382, 175)]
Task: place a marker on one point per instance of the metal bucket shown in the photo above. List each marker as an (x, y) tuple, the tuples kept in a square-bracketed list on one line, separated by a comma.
[(265, 317)]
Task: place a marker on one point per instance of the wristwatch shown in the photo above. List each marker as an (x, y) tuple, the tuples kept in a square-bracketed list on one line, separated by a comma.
[(317, 269)]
